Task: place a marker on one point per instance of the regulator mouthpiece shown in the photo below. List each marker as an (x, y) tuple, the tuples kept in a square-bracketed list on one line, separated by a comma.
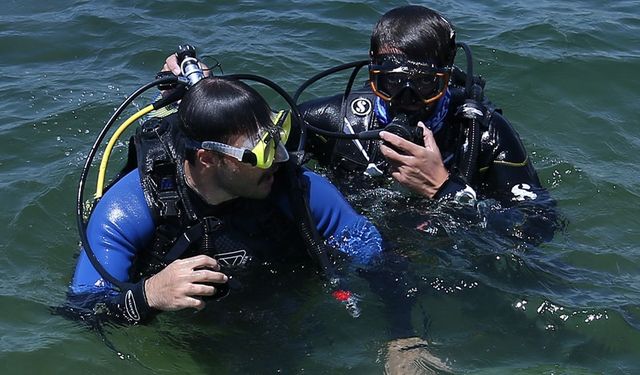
[(401, 127)]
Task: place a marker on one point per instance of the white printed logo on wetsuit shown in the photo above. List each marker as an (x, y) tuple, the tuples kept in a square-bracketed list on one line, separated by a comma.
[(233, 258), (523, 192), (130, 306), (361, 106)]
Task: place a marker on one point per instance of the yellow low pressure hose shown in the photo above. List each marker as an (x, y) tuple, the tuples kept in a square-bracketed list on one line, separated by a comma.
[(114, 138)]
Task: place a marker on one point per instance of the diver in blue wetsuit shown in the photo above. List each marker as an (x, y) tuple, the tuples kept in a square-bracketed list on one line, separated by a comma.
[(213, 199)]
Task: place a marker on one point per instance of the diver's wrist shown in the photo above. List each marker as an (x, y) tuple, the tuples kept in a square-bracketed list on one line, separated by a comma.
[(455, 188), (134, 305)]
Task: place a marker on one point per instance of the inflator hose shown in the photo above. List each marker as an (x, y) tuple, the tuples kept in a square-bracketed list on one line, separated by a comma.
[(473, 91), (82, 230)]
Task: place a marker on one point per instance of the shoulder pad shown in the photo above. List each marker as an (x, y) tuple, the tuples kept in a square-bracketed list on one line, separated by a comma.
[(359, 102)]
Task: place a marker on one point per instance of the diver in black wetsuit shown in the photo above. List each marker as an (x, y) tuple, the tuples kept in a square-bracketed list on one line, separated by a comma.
[(443, 140)]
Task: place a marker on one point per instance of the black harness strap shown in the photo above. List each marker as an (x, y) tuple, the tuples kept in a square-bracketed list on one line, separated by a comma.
[(190, 236), (202, 231), (312, 239), (167, 194)]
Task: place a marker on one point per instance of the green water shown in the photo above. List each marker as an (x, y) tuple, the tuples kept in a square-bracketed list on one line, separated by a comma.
[(565, 73)]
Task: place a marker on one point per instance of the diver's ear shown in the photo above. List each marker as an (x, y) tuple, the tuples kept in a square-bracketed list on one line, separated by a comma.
[(207, 158)]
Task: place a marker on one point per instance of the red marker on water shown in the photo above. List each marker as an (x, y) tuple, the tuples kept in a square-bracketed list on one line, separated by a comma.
[(349, 300)]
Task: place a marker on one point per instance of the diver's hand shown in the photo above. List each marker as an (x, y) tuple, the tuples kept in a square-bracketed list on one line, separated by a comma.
[(419, 168), (179, 285), (171, 65)]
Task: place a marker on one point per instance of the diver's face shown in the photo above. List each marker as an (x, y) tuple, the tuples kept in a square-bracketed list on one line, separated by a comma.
[(241, 179)]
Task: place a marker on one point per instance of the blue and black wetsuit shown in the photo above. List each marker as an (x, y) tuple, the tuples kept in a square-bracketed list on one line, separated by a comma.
[(123, 232), (503, 171)]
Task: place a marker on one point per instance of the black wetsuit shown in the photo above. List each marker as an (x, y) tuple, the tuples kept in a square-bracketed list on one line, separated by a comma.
[(503, 172)]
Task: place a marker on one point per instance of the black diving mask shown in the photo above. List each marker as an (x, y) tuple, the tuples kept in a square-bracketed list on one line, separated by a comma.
[(394, 78)]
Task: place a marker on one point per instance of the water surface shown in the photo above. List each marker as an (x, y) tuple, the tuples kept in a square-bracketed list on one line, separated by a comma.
[(565, 75)]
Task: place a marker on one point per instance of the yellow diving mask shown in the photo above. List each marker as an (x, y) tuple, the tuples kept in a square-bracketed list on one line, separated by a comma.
[(264, 150)]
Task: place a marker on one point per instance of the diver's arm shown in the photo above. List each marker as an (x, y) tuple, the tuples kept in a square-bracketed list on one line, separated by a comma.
[(385, 271), (353, 234), (119, 228), (120, 225), (337, 221), (526, 210), (323, 113)]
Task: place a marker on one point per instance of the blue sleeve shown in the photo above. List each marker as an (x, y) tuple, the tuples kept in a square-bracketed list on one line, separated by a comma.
[(120, 225), (338, 222)]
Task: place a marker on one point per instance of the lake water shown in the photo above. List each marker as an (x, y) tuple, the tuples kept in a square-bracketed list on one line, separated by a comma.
[(566, 75)]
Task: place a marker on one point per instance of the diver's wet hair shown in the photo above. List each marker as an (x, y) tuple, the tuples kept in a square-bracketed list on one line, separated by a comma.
[(215, 109), (418, 32)]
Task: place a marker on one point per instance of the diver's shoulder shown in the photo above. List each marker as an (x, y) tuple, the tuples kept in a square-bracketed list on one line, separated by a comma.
[(498, 123), (125, 195), (322, 102)]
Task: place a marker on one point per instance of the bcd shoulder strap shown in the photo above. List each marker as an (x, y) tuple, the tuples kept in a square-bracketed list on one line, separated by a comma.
[(312, 239), (357, 115)]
